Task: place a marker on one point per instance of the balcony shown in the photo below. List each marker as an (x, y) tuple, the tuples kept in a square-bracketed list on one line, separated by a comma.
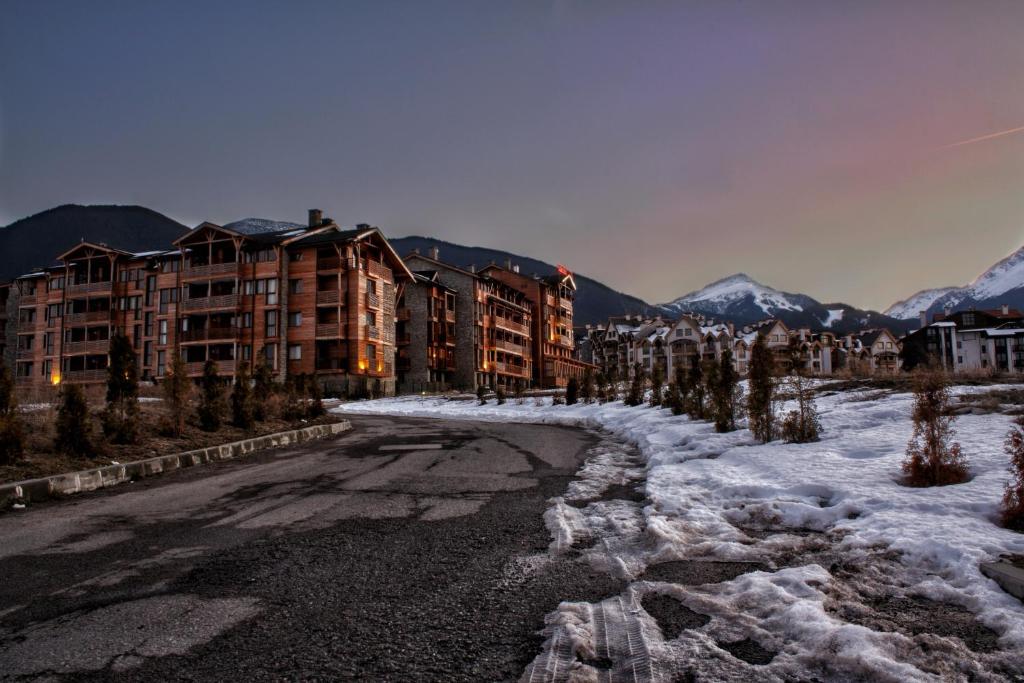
[(506, 324), (78, 376), (508, 369), (208, 302), (25, 353), (223, 367), (372, 332), (327, 297), (328, 263), (210, 269), (511, 347), (95, 346), (372, 300), (210, 334), (89, 287), (379, 270), (329, 330), (449, 316), (87, 317)]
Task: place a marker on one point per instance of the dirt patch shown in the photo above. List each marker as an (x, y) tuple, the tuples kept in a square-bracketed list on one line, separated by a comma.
[(749, 651), (696, 573), (914, 616), (673, 617)]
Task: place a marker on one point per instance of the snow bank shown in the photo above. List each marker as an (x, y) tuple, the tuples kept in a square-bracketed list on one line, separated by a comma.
[(725, 496)]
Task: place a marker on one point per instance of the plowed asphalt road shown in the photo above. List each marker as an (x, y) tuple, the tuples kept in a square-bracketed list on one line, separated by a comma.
[(407, 549)]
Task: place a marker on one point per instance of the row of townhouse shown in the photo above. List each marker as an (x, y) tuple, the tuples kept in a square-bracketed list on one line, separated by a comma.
[(971, 341), (665, 345), (311, 298), (462, 328)]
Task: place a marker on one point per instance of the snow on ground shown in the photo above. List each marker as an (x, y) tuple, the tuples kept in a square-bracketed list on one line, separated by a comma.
[(829, 520)]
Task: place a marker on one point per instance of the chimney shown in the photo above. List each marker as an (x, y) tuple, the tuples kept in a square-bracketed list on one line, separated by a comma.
[(508, 264), (923, 319), (515, 269), (1006, 309), (472, 267), (316, 217), (415, 250)]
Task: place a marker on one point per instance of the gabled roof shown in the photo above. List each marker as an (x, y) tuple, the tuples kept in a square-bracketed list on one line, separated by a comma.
[(91, 245), (442, 264)]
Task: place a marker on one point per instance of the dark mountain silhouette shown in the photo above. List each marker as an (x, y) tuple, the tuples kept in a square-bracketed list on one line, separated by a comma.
[(33, 242), (594, 301)]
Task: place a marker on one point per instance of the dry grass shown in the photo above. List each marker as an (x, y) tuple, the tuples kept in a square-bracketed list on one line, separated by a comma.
[(40, 459)]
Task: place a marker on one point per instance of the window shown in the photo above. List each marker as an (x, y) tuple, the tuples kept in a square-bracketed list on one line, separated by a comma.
[(295, 352), (270, 353), (271, 292), (295, 319), (161, 363), (248, 288), (27, 315), (371, 319), (246, 351), (52, 311), (271, 323), (56, 284), (371, 352), (247, 321), (148, 329), (960, 360), (162, 336), (147, 354), (167, 297), (136, 337), (295, 255), (24, 370), (295, 286), (170, 266), (371, 286)]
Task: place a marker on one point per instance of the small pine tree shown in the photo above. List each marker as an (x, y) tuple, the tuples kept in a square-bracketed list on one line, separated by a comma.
[(177, 390), (572, 392), (212, 405), (12, 432), (696, 405), (74, 425), (315, 408), (121, 416), (657, 382), (635, 395), (723, 391), (481, 394), (801, 425), (587, 388), (612, 391), (293, 405), (682, 381), (1013, 496), (762, 399), (242, 403), (933, 459), (674, 399), (601, 387), (263, 388)]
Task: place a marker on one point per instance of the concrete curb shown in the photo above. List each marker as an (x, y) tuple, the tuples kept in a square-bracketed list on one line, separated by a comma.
[(1009, 577), (111, 475)]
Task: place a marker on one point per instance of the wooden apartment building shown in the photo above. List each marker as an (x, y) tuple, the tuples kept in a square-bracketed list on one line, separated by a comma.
[(311, 298)]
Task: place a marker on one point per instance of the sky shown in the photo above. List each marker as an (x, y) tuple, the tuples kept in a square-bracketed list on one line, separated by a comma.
[(839, 149)]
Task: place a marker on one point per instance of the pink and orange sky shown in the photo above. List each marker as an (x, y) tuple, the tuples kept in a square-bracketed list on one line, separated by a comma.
[(653, 145)]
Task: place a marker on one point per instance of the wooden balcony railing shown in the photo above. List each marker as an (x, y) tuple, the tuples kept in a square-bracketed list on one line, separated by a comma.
[(372, 300), (87, 317), (89, 287), (372, 332), (327, 296), (210, 334), (223, 367), (95, 346), (509, 369), (506, 324), (25, 353), (211, 269), (328, 263), (207, 302), (77, 376), (332, 330), (509, 346)]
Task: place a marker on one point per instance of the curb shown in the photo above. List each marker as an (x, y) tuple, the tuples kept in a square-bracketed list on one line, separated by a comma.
[(1009, 577), (110, 475)]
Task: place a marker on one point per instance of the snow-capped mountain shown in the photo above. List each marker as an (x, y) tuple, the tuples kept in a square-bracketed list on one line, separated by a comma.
[(1001, 284), (741, 299)]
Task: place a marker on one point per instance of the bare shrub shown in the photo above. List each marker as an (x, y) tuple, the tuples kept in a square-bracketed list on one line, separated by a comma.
[(1013, 496), (933, 458)]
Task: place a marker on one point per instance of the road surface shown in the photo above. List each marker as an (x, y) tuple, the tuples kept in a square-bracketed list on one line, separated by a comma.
[(407, 549)]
